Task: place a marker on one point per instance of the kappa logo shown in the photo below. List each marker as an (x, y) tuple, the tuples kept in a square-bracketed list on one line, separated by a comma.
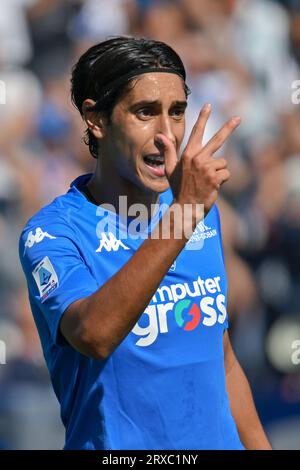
[(109, 242), (36, 237)]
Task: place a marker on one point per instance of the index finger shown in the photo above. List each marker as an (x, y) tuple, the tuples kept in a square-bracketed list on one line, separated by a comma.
[(222, 135), (167, 147), (197, 133)]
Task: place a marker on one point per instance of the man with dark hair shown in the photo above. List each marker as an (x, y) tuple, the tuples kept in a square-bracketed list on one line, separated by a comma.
[(131, 311)]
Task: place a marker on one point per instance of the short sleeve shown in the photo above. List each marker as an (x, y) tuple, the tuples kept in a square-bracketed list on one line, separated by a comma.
[(55, 270)]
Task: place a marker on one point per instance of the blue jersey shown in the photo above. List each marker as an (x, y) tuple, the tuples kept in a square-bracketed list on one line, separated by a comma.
[(164, 386)]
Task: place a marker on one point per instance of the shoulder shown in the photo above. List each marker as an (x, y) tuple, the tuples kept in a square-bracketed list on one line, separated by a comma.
[(53, 221)]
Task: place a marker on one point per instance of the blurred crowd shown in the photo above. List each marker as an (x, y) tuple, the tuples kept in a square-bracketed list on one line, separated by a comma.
[(242, 56)]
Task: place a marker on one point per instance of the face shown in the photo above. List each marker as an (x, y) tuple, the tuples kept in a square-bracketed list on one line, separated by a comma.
[(155, 104)]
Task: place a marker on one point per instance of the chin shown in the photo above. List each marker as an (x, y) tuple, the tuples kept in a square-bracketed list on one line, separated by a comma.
[(156, 185), (148, 182), (160, 187)]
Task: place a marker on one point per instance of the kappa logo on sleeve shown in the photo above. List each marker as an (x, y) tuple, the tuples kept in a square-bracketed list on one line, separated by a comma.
[(36, 237), (109, 242), (45, 277)]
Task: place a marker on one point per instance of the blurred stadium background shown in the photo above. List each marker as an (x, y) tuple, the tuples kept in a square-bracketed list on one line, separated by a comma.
[(243, 56)]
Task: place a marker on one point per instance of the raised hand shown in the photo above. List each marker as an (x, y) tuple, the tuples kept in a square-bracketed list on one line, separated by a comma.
[(197, 176)]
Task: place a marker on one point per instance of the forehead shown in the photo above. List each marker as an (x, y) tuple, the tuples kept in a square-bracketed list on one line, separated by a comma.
[(156, 86)]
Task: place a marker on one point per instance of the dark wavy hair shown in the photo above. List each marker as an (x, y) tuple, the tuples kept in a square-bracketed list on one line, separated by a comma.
[(98, 73)]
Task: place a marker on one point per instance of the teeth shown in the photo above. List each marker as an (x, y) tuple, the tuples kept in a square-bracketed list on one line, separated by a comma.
[(155, 160)]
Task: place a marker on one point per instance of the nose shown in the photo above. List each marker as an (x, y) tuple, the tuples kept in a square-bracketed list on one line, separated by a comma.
[(166, 127)]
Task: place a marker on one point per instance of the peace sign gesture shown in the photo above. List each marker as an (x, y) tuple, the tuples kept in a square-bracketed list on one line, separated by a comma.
[(197, 176)]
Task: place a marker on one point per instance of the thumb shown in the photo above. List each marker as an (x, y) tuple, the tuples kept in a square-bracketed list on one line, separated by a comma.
[(168, 150)]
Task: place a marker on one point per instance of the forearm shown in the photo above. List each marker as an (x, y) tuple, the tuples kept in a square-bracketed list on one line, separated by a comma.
[(243, 410), (101, 321), (97, 325)]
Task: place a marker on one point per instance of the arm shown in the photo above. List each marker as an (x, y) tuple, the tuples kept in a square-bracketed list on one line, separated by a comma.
[(97, 324), (241, 402)]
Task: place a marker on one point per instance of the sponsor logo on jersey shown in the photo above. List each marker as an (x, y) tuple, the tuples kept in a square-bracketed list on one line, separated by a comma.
[(173, 267), (201, 233), (45, 278), (200, 303), (36, 237), (109, 242)]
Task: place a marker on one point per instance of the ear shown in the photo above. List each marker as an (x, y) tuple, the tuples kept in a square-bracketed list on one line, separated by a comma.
[(94, 120)]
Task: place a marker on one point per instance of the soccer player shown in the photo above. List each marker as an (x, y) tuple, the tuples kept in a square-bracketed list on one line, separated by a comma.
[(130, 309)]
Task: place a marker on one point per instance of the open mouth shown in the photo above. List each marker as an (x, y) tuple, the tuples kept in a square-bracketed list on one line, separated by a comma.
[(155, 161), (156, 164)]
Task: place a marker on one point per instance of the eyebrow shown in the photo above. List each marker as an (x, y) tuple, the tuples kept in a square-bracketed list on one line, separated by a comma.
[(183, 104)]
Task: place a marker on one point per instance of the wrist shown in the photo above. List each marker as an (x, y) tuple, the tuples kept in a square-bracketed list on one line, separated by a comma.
[(186, 217)]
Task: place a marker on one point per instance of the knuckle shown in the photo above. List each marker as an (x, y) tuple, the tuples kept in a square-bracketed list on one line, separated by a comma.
[(223, 162), (205, 165), (198, 164), (186, 155), (219, 140), (194, 129), (211, 177), (224, 175), (211, 172)]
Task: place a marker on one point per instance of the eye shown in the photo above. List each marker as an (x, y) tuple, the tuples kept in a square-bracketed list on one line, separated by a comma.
[(177, 112), (144, 113)]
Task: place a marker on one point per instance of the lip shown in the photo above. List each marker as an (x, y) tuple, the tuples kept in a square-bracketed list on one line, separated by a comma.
[(154, 155), (155, 171)]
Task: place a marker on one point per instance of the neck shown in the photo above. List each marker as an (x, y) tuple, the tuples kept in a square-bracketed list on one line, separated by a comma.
[(107, 185)]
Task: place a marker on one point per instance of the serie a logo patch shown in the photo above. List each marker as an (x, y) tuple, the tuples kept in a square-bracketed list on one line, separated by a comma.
[(45, 278)]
